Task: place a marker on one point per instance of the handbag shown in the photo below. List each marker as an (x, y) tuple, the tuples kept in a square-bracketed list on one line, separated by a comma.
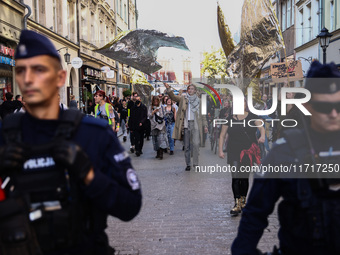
[(158, 119)]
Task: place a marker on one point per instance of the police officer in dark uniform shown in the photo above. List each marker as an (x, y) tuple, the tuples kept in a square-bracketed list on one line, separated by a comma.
[(309, 212), (69, 182)]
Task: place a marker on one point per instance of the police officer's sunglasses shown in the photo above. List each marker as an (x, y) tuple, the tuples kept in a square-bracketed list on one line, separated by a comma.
[(325, 107)]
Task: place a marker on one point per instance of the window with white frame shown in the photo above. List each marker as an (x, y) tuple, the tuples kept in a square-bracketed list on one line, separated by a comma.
[(125, 13), (309, 22), (293, 13), (69, 17), (106, 34), (93, 31), (55, 15), (117, 6), (300, 28), (39, 11), (284, 17), (287, 14), (83, 24), (101, 34)]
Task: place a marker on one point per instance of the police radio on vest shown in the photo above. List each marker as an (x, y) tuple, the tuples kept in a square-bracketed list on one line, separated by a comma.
[(238, 101)]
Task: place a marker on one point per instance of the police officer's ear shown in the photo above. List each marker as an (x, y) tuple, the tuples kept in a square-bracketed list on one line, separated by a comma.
[(61, 79), (61, 73)]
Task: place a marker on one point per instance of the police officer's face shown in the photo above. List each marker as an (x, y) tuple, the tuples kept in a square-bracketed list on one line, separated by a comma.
[(321, 121), (39, 79)]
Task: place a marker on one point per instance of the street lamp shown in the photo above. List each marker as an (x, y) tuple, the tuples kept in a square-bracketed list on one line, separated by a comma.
[(67, 56), (324, 39)]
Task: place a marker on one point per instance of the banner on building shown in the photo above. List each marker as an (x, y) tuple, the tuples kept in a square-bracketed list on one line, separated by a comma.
[(280, 71)]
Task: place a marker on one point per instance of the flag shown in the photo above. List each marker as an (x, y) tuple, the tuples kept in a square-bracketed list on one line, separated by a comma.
[(139, 48)]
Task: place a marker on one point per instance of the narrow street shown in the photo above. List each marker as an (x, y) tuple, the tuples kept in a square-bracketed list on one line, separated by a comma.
[(183, 212)]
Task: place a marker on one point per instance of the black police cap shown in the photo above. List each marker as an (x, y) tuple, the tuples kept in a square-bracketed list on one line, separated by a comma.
[(32, 44), (323, 79)]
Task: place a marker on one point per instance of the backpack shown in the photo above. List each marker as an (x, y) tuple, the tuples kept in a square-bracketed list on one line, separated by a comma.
[(43, 212), (117, 119)]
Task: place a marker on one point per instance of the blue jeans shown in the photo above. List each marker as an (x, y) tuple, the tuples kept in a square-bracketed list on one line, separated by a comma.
[(169, 130)]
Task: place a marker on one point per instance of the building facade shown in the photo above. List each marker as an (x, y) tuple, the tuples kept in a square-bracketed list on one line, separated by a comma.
[(177, 73), (301, 21), (77, 28), (11, 23)]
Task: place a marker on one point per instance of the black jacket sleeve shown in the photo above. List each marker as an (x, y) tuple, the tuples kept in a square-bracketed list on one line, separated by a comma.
[(115, 188)]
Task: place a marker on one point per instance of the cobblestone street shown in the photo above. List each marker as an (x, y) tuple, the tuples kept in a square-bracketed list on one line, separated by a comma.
[(183, 212)]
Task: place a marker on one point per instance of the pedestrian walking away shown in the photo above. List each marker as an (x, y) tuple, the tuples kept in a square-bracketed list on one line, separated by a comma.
[(63, 173)]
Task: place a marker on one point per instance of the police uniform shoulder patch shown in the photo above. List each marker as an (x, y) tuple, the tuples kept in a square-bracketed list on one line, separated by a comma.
[(132, 179), (121, 156)]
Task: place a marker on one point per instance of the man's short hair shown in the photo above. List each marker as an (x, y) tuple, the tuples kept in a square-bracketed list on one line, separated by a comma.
[(17, 97), (9, 96)]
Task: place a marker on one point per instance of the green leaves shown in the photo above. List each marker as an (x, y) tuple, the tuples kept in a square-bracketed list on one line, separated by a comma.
[(214, 63)]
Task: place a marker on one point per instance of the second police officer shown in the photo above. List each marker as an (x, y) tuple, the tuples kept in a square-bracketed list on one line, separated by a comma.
[(309, 212)]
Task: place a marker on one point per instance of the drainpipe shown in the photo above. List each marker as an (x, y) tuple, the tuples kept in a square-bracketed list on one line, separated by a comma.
[(128, 13), (136, 13), (29, 12)]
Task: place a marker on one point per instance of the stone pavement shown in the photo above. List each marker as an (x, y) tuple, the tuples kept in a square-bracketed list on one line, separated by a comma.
[(183, 212)]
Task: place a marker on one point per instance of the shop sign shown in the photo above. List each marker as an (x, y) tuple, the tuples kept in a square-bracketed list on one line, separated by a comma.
[(110, 74), (92, 72), (280, 71), (77, 62), (6, 50), (7, 61)]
